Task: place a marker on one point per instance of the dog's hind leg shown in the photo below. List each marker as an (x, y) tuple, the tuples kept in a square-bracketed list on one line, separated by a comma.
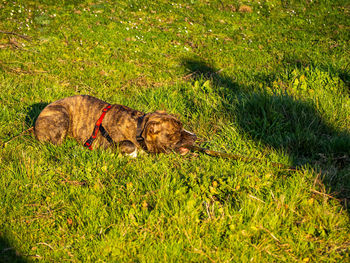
[(52, 124)]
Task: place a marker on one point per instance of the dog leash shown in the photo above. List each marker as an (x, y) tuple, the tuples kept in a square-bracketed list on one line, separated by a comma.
[(238, 157), (30, 130)]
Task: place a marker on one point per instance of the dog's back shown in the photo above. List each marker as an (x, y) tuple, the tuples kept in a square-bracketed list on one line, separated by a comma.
[(68, 116)]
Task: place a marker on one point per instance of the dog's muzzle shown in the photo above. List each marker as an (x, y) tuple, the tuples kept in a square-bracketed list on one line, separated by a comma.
[(187, 140)]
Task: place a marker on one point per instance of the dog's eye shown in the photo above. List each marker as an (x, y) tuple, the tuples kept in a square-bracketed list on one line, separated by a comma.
[(170, 136)]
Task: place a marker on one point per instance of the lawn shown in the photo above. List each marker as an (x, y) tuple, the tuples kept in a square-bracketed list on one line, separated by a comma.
[(265, 79)]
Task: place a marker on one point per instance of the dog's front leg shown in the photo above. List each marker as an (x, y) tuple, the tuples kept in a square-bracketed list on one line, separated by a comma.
[(127, 147)]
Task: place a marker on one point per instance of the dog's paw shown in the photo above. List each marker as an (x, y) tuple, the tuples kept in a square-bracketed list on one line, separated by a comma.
[(128, 148), (133, 154)]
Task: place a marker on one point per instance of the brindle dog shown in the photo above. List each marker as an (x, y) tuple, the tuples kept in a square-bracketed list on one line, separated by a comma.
[(126, 128)]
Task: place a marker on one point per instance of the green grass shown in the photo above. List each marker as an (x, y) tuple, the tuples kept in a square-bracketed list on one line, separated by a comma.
[(271, 83)]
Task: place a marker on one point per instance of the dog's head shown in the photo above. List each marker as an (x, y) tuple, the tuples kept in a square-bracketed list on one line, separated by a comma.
[(163, 133)]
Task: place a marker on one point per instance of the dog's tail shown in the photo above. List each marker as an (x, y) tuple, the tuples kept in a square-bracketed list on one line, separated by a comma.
[(30, 130)]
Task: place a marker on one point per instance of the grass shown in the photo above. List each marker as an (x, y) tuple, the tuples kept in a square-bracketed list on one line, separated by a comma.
[(268, 79)]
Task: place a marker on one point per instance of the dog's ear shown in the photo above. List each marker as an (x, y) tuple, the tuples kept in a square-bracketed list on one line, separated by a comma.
[(176, 123), (154, 127), (150, 134), (151, 128)]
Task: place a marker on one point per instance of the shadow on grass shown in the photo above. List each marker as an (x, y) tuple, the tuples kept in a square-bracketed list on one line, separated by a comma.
[(9, 253), (33, 112), (284, 123)]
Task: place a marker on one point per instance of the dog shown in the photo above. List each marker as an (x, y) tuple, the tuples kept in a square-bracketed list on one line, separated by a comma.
[(97, 124)]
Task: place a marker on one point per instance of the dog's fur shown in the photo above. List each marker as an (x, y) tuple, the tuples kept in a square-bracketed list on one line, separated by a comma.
[(76, 117)]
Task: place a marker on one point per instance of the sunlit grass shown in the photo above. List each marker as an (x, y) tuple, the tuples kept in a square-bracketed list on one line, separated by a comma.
[(266, 79)]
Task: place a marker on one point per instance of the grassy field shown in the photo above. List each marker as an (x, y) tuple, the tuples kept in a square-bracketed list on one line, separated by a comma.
[(267, 79)]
